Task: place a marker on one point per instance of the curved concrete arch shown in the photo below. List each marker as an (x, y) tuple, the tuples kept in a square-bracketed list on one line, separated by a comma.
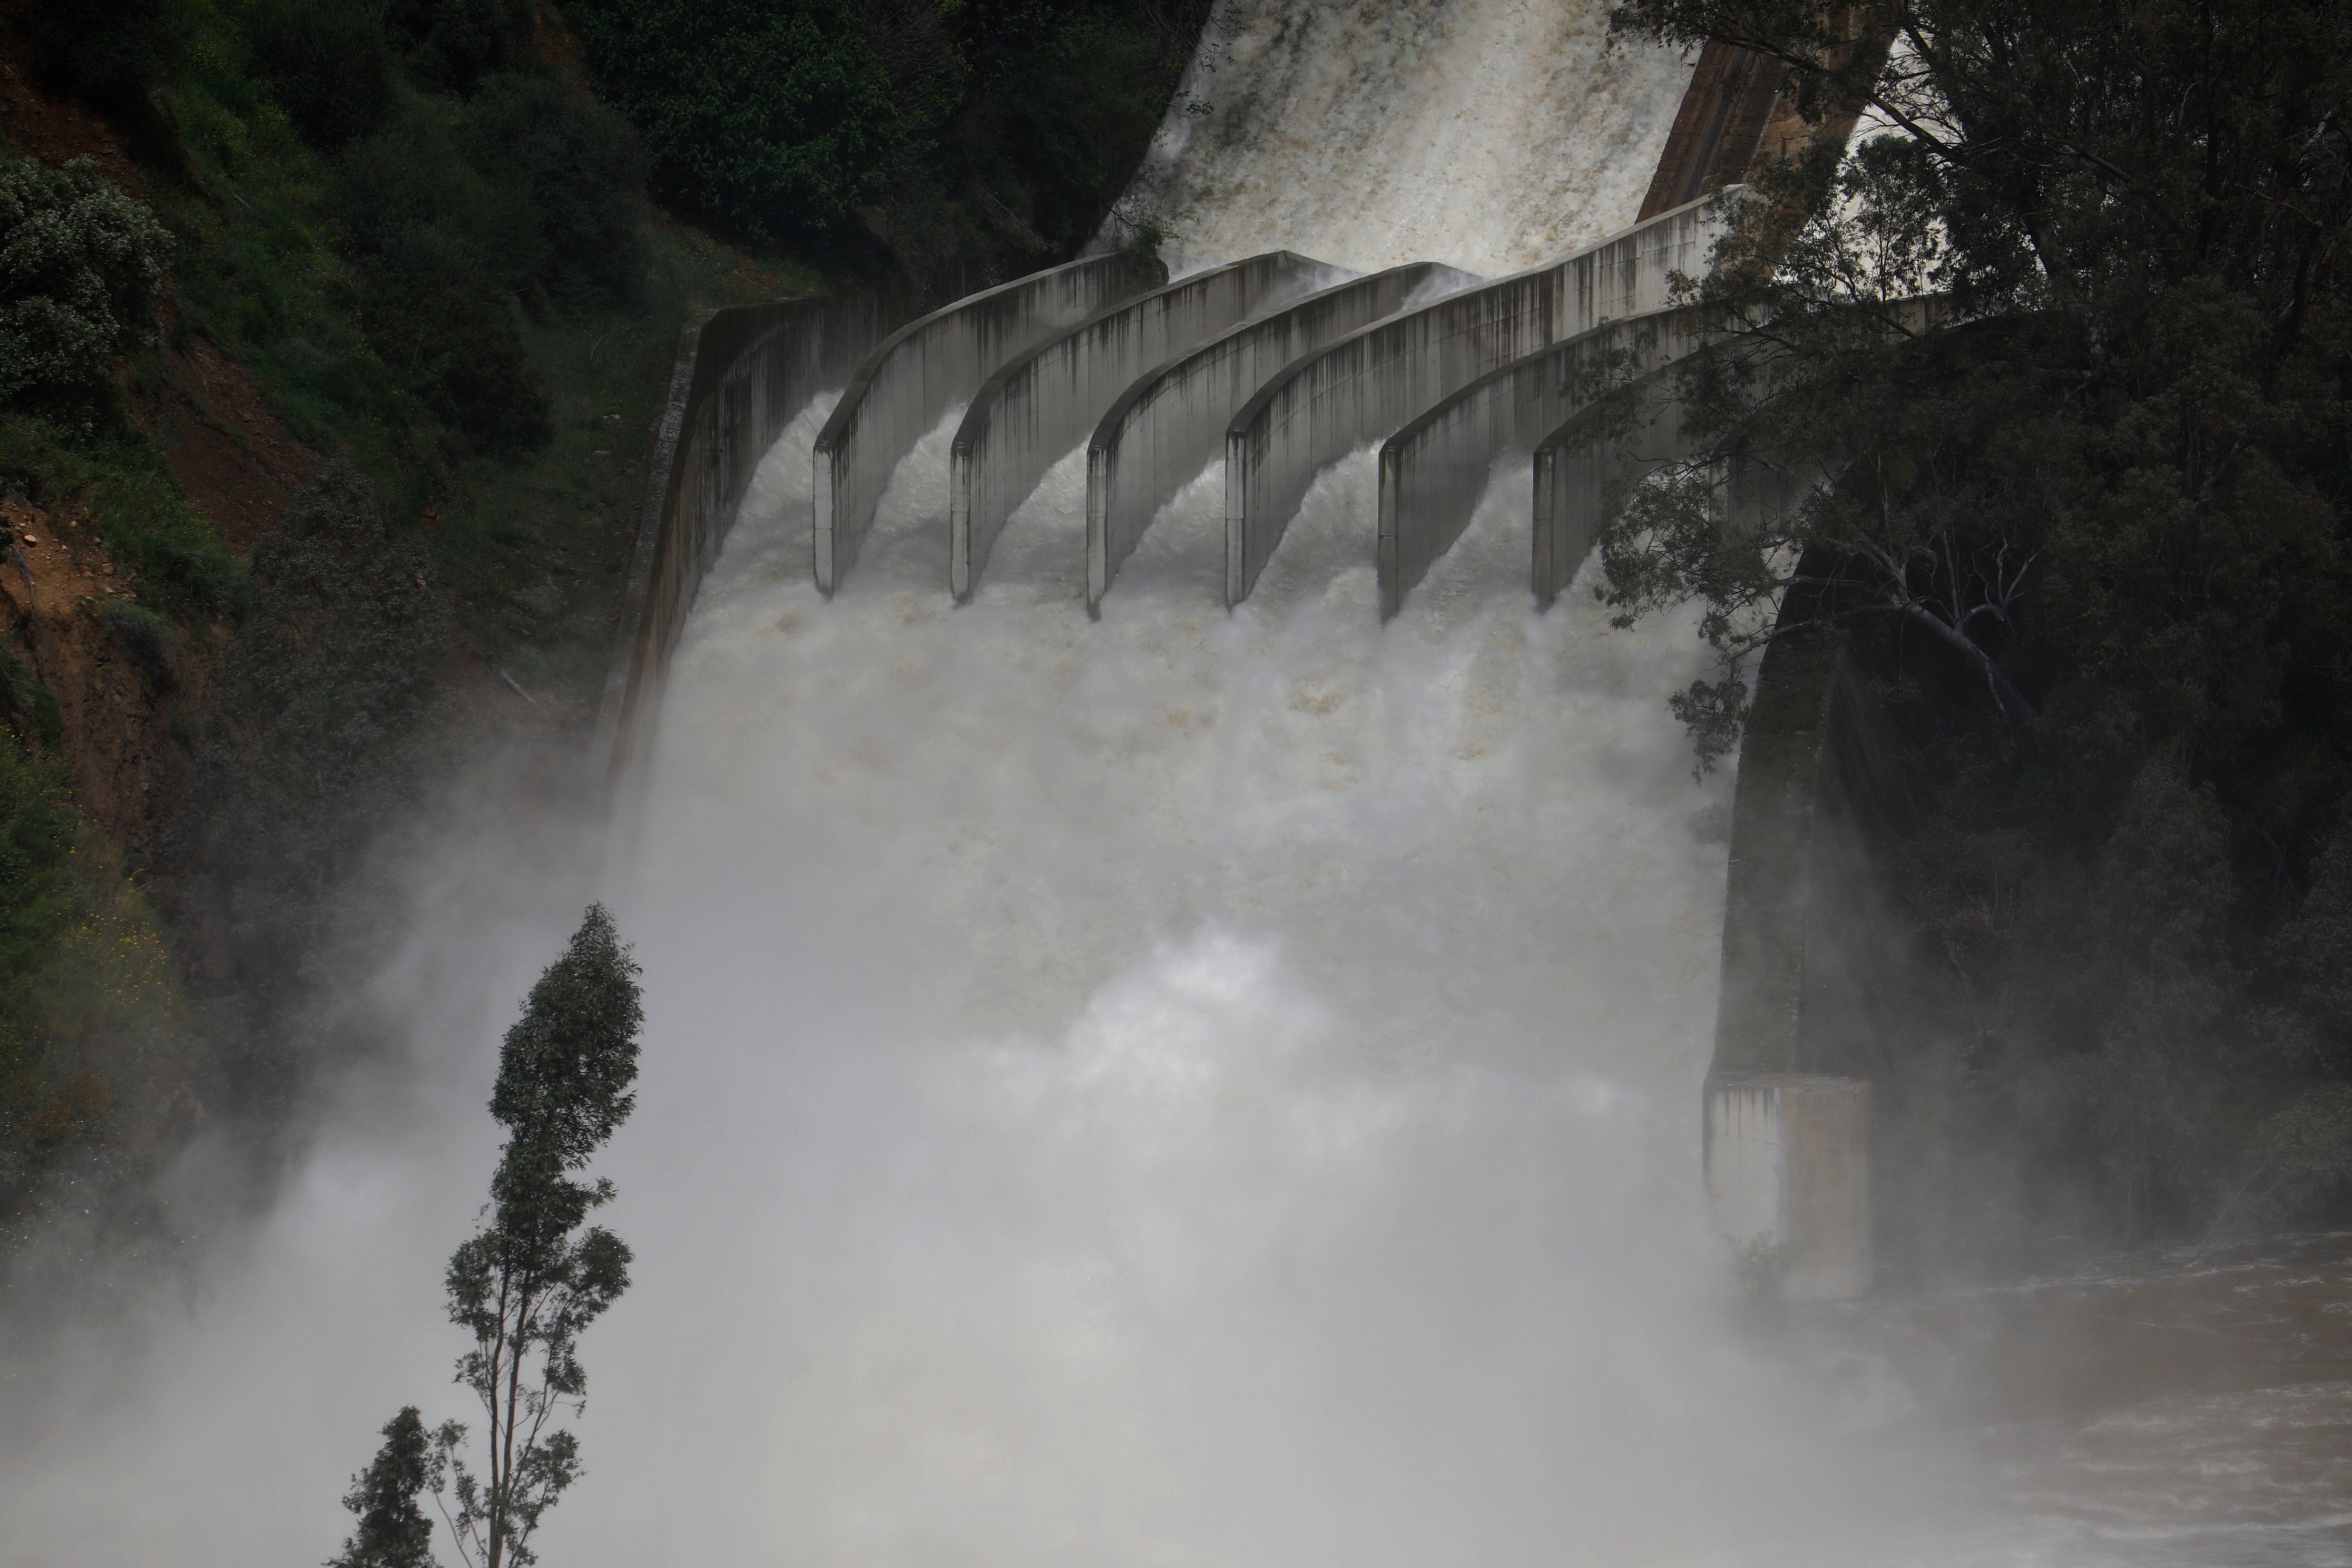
[(1364, 385), (920, 372), (742, 372), (1165, 428), (1574, 469), (1434, 471), (1043, 402)]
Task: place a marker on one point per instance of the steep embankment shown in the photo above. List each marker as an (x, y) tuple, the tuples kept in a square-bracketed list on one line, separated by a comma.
[(142, 503), (412, 251), (236, 465)]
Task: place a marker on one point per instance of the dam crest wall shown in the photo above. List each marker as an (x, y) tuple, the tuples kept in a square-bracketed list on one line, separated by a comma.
[(741, 375)]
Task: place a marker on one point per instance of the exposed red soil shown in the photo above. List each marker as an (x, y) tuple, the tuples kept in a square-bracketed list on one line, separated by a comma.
[(57, 129), (239, 466), (56, 580)]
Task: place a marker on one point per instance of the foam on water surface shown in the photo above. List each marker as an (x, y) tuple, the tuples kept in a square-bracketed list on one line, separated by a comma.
[(1213, 1088)]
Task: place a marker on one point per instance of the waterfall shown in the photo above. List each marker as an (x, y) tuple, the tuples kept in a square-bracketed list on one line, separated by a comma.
[(1191, 1090), (1487, 134), (1203, 1089)]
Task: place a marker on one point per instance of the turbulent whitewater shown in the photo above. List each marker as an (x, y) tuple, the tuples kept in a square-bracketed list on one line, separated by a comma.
[(1488, 134), (1211, 1088)]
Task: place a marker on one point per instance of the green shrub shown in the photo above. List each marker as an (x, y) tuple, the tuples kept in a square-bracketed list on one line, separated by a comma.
[(459, 351), (407, 199), (150, 525), (29, 707), (441, 251), (576, 166), (326, 64), (757, 117), (453, 43), (81, 265), (175, 552), (36, 835), (146, 635)]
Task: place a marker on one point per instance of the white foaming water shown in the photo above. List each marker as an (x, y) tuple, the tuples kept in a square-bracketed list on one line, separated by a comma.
[(1489, 134), (1188, 1088)]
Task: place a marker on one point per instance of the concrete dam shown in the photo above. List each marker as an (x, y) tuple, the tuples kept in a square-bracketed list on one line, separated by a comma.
[(1196, 1015), (1194, 937), (1271, 372)]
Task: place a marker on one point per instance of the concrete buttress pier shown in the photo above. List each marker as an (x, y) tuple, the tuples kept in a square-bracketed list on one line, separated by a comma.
[(920, 372), (1788, 1168)]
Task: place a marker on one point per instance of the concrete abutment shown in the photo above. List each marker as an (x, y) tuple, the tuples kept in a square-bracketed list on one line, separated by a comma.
[(1788, 1175), (914, 376)]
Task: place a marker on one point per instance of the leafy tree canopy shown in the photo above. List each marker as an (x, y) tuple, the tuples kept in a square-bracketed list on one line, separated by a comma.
[(756, 115), (393, 1532), (2048, 377), (532, 1277), (2108, 470), (82, 266)]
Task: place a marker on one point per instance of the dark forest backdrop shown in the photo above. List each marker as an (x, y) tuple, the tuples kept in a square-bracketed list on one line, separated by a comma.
[(409, 273), (2084, 525)]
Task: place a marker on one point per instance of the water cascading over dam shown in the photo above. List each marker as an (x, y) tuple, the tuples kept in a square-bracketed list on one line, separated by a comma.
[(1214, 1086), (1205, 1086)]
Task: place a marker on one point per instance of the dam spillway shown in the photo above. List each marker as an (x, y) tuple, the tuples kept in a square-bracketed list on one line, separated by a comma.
[(935, 363), (1205, 1087), (1160, 1041), (1172, 421), (1294, 383), (1197, 988), (1036, 404)]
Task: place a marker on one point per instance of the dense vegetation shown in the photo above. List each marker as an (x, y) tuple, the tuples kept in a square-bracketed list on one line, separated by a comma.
[(102, 1059), (2085, 526), (432, 234), (965, 139)]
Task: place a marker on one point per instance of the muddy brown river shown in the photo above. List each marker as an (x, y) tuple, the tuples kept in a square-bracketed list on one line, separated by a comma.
[(2176, 1405)]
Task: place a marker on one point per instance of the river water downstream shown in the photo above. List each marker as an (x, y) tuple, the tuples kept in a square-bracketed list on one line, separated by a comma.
[(2177, 1405)]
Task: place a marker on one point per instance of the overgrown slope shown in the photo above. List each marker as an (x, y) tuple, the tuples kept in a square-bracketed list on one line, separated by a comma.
[(331, 337)]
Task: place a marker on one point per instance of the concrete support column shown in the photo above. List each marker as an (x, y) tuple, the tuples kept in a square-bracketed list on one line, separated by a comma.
[(1788, 1170)]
